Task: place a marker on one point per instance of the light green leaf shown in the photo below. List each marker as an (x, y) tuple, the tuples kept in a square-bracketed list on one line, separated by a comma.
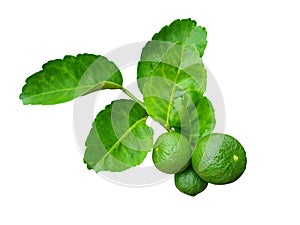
[(119, 138), (193, 119), (184, 32), (62, 80)]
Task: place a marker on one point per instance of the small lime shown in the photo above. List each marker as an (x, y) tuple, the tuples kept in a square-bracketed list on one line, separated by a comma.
[(219, 159), (171, 152), (189, 182)]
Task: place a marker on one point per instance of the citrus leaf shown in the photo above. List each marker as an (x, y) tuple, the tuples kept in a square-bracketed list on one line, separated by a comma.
[(193, 119), (180, 73), (180, 32), (119, 138), (171, 67), (62, 80), (184, 31)]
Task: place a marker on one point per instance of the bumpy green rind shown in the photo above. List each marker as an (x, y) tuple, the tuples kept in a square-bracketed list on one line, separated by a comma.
[(189, 182), (62, 80), (171, 153), (119, 138), (219, 159)]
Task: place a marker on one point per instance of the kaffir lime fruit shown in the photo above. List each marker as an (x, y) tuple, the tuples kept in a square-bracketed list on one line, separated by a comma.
[(219, 159), (171, 152), (189, 182)]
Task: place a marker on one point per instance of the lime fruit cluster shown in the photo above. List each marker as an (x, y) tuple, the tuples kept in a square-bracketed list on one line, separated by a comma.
[(216, 159)]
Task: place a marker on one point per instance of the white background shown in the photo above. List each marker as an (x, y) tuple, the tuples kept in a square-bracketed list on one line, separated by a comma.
[(253, 52)]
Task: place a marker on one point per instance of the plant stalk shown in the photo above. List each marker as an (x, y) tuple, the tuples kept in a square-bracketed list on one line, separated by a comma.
[(129, 94)]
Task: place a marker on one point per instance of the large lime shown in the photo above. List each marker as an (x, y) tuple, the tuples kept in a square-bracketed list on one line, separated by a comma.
[(219, 159), (171, 152), (189, 182)]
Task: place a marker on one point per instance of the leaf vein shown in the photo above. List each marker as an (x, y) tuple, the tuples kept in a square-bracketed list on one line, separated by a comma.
[(173, 89), (126, 133)]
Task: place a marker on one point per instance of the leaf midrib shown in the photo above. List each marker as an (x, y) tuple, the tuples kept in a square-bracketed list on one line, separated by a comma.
[(173, 89), (177, 73), (119, 140), (68, 89)]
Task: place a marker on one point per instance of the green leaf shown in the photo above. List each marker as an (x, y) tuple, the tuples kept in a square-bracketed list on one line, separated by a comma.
[(184, 32), (171, 67), (193, 119), (62, 80), (180, 73), (119, 138)]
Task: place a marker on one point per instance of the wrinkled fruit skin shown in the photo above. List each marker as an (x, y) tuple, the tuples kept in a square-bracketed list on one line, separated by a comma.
[(219, 159), (189, 182), (171, 153)]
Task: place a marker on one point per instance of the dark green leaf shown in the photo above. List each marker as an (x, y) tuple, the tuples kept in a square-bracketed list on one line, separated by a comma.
[(184, 32), (119, 138), (171, 67), (62, 80), (180, 73)]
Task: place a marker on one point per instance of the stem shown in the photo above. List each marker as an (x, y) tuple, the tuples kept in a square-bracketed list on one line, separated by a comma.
[(167, 127), (129, 94)]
